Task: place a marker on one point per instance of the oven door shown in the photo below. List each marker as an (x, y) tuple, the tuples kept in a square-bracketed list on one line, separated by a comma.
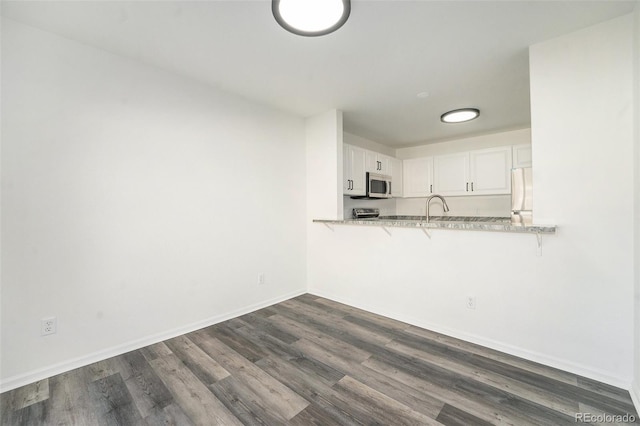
[(378, 186)]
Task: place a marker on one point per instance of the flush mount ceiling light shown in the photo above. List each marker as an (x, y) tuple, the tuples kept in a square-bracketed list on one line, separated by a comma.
[(460, 115), (311, 17)]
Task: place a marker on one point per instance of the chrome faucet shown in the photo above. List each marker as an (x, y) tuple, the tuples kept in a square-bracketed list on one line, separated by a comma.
[(445, 207)]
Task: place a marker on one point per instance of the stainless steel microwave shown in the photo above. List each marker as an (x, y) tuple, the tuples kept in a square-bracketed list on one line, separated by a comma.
[(378, 186)]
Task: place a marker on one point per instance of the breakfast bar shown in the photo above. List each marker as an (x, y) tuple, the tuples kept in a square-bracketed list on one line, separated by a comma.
[(467, 223)]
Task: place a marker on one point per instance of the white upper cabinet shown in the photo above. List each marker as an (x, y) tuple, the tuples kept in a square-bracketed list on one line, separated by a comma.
[(417, 177), (397, 189), (521, 156), (451, 174), (490, 171), (358, 161), (480, 172), (353, 181), (378, 163)]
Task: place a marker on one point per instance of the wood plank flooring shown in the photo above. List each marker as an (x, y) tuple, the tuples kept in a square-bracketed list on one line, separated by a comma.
[(312, 361)]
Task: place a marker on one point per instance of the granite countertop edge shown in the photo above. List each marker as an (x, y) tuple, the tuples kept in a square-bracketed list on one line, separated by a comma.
[(477, 224)]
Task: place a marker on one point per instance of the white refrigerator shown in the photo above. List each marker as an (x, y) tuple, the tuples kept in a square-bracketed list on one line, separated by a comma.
[(521, 196)]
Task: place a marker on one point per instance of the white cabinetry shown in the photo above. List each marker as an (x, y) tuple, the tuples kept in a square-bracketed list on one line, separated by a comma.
[(451, 174), (480, 172), (353, 182), (358, 161), (521, 156), (397, 189), (490, 171), (417, 177), (378, 163)]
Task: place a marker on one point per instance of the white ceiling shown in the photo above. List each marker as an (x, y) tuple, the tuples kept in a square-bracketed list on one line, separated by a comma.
[(463, 53)]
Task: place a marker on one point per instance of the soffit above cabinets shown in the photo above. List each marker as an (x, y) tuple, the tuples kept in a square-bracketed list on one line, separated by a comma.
[(393, 68)]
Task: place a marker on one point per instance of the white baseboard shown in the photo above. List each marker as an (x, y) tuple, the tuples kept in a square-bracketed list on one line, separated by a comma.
[(562, 364), (635, 395), (52, 370)]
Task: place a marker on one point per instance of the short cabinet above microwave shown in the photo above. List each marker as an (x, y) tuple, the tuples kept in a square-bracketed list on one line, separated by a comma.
[(378, 163)]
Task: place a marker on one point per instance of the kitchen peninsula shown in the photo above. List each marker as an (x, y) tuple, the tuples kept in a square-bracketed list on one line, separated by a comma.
[(491, 224)]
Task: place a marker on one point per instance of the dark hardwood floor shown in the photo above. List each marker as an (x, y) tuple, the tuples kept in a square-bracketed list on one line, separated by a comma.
[(311, 361)]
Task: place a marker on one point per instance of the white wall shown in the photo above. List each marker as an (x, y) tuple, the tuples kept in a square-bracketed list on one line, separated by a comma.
[(571, 308), (486, 205), (365, 143), (324, 165), (636, 388), (135, 204), (586, 154)]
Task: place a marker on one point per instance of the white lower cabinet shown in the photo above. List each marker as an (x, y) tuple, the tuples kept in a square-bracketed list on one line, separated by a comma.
[(417, 176)]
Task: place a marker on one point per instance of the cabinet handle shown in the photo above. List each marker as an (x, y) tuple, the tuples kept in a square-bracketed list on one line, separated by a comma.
[(431, 189), (467, 186), (471, 186), (350, 184)]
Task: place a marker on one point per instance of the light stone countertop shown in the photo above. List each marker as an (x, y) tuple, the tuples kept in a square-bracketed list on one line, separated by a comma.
[(467, 223)]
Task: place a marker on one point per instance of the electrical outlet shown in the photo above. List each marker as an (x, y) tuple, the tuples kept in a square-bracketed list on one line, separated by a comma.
[(261, 279), (471, 302), (48, 326)]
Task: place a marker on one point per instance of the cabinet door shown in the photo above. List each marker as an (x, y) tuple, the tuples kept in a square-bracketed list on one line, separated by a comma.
[(358, 173), (346, 169), (417, 177), (490, 171), (385, 165), (371, 159), (521, 156), (451, 174), (353, 182), (396, 177), (378, 163)]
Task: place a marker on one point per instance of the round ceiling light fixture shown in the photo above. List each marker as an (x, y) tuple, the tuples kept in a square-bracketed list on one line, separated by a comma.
[(311, 17), (460, 115)]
